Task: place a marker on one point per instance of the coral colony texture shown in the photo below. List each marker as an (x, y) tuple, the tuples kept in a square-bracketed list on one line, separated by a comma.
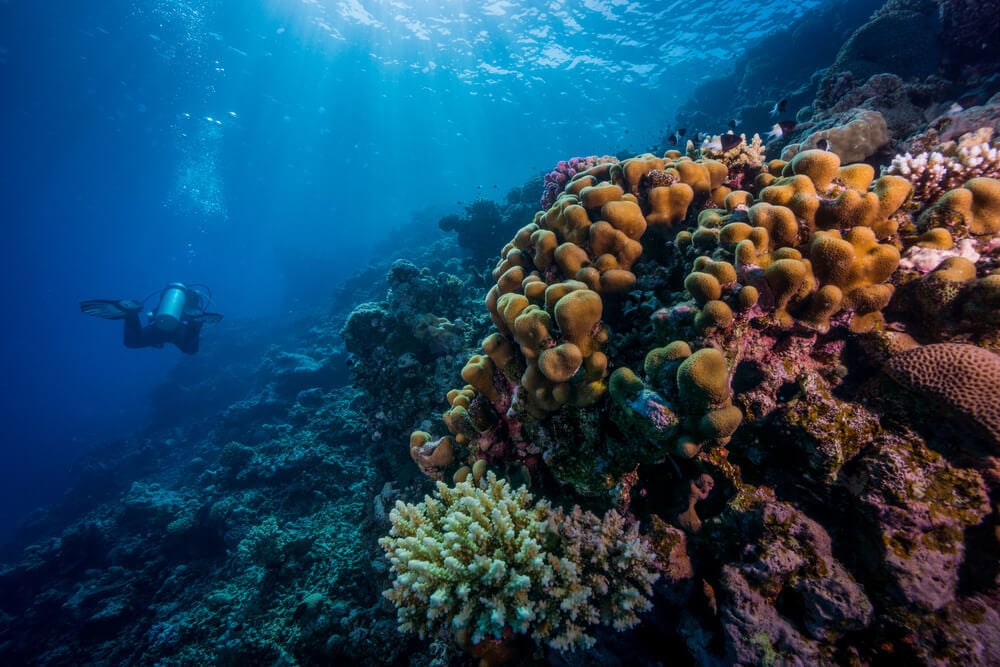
[(728, 402), (787, 368)]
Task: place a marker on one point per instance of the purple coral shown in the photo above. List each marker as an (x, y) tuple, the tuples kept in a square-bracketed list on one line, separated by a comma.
[(564, 171)]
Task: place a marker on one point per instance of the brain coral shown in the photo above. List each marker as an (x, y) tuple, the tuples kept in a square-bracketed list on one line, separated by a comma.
[(964, 377)]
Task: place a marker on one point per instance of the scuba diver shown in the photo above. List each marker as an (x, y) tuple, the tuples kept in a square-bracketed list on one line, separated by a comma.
[(178, 317)]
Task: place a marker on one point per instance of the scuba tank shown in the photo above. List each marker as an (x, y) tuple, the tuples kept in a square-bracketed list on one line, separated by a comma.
[(170, 310)]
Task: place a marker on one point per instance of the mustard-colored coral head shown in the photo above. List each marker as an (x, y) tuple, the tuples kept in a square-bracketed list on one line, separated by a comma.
[(625, 216), (661, 363), (786, 278), (616, 281), (596, 196), (703, 287), (972, 209), (892, 192), (823, 304), (850, 209), (431, 455), (985, 206), (779, 221), (703, 379), (820, 166), (798, 193), (856, 176), (714, 314), (624, 385), (560, 363), (577, 316), (669, 204), (499, 349), (533, 331), (478, 372), (747, 297)]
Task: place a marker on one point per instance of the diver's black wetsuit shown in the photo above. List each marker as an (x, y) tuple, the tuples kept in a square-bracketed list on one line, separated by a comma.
[(185, 336)]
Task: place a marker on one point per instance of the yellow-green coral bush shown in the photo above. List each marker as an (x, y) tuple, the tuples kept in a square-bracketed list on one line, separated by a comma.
[(485, 558)]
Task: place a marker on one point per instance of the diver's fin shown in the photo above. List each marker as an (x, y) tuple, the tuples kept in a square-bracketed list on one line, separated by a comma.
[(109, 309), (130, 305)]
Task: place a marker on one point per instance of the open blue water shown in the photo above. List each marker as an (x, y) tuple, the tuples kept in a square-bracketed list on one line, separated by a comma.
[(262, 146)]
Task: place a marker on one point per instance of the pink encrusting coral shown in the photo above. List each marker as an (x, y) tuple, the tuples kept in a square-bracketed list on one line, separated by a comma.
[(564, 171)]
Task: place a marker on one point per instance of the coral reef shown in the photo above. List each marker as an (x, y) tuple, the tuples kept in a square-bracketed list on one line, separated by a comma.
[(396, 343), (893, 40), (775, 305), (244, 528), (713, 406), (764, 74), (856, 135), (485, 224), (212, 553)]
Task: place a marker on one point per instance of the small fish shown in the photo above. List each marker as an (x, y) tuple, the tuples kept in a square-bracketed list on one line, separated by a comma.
[(672, 139), (698, 137), (823, 144), (779, 107), (969, 99), (730, 141), (681, 131), (781, 129), (733, 123), (711, 143)]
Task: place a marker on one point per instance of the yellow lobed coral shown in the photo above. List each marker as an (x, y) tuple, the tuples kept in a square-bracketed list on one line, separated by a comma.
[(431, 455), (488, 560), (695, 386), (973, 209), (818, 249)]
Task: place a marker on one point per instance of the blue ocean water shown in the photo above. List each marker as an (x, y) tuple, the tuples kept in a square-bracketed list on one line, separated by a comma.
[(263, 147)]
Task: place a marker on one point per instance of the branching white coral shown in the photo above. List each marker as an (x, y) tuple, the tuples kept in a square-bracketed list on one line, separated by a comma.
[(745, 154), (933, 173), (488, 559)]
